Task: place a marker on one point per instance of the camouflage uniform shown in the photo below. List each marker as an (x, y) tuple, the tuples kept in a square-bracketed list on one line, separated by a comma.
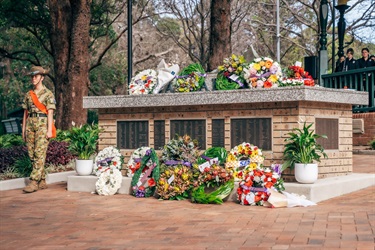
[(36, 131)]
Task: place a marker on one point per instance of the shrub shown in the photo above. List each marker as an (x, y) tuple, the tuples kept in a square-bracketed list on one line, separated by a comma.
[(372, 144), (8, 156), (23, 166), (10, 140), (58, 153)]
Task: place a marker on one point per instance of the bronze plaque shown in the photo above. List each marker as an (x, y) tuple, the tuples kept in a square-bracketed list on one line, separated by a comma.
[(196, 129), (132, 134), (330, 128), (159, 134), (218, 133), (256, 131)]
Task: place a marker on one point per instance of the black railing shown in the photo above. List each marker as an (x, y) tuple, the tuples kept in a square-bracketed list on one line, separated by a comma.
[(359, 79)]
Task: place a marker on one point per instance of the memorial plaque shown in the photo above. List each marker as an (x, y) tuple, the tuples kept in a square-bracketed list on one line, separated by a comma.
[(196, 129), (132, 134), (256, 131), (330, 128), (218, 133), (159, 134)]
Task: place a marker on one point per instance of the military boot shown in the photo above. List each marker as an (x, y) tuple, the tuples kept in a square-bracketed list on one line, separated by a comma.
[(32, 187), (43, 184)]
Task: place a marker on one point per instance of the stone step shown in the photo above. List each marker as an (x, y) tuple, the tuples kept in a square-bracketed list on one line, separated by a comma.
[(322, 189)]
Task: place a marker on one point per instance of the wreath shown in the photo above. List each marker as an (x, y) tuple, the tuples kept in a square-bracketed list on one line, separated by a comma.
[(143, 83), (174, 182), (254, 188), (109, 157), (212, 183), (134, 162), (109, 181), (190, 79), (229, 75), (146, 176), (182, 150), (243, 156), (263, 72)]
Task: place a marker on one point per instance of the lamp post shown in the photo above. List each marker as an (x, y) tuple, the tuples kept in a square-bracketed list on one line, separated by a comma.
[(341, 26), (130, 42), (323, 55)]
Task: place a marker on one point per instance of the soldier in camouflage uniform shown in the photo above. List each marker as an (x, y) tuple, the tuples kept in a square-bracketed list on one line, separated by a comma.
[(37, 128)]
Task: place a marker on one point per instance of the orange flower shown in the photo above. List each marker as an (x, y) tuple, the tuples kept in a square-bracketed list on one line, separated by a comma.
[(257, 198), (268, 64), (268, 184), (253, 81), (267, 85)]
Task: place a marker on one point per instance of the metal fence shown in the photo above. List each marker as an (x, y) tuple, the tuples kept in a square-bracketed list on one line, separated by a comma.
[(359, 79)]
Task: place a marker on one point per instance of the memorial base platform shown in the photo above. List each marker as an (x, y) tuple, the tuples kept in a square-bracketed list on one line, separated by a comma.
[(322, 189)]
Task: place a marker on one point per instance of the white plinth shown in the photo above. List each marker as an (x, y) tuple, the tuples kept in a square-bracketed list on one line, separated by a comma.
[(322, 189), (87, 184)]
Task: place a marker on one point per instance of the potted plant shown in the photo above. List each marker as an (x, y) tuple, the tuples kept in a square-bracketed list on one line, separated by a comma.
[(300, 152), (83, 141)]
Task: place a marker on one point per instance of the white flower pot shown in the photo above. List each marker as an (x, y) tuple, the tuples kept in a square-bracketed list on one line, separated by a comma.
[(306, 173), (84, 167)]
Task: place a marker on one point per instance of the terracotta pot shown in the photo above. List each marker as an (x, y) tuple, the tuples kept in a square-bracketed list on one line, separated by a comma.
[(306, 173)]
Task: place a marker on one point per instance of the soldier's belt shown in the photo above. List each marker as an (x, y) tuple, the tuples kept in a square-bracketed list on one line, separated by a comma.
[(37, 115)]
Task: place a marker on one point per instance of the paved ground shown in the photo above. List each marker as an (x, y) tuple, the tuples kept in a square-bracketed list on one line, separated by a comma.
[(58, 219)]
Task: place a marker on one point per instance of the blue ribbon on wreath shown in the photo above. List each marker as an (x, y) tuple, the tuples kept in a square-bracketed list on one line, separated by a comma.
[(244, 163)]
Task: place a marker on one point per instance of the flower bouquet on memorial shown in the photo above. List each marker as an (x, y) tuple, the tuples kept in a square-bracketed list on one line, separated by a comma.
[(143, 83), (242, 156), (144, 180), (298, 74), (108, 158), (175, 182), (190, 79), (255, 185), (263, 72), (230, 73), (182, 150)]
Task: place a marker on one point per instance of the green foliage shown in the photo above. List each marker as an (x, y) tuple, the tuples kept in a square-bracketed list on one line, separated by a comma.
[(23, 166), (83, 140), (372, 144), (199, 195), (213, 152), (10, 140), (302, 147)]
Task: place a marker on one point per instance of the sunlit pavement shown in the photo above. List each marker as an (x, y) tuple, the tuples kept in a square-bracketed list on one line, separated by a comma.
[(57, 219)]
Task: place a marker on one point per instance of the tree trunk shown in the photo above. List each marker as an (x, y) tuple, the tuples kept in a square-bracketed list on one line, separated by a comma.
[(220, 41), (70, 41)]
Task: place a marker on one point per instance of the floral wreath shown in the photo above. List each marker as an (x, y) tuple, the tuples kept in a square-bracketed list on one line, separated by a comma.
[(109, 157), (146, 176), (263, 72), (109, 181), (230, 73), (143, 83), (190, 79), (254, 188), (182, 150), (174, 182), (134, 162), (243, 156)]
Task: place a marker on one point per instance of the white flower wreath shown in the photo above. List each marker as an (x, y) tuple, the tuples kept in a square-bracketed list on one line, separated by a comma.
[(108, 157), (143, 83), (109, 182), (135, 160)]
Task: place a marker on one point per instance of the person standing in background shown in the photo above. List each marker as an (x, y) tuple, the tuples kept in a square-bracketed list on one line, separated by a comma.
[(38, 106), (340, 64), (365, 61), (350, 63)]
